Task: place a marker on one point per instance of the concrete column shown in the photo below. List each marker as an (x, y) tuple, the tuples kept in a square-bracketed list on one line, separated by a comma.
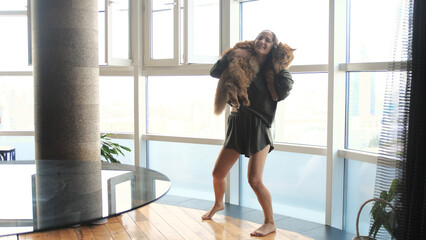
[(66, 79), (67, 139)]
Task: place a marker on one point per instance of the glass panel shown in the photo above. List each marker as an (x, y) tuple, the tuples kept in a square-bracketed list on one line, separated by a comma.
[(13, 42), (101, 5), (16, 103), (307, 32), (366, 101), (204, 31), (372, 37), (101, 32), (360, 181), (20, 206), (188, 166), (162, 29), (24, 146), (17, 5), (296, 182), (116, 104), (302, 117), (120, 22), (183, 106)]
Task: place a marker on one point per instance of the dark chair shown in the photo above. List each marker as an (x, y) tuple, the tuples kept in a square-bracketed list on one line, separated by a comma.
[(7, 153)]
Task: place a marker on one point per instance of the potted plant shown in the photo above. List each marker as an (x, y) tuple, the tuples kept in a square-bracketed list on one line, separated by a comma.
[(110, 150), (381, 216)]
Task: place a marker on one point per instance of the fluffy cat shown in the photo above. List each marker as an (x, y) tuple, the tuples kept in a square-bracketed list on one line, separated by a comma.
[(282, 57), (243, 67)]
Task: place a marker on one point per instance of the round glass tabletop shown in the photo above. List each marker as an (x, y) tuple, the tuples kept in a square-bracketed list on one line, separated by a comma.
[(46, 194)]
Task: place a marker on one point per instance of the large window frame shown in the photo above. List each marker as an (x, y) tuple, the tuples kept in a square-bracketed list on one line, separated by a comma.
[(141, 66)]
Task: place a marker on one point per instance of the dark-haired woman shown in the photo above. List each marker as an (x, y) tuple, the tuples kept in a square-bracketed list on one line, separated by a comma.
[(249, 133)]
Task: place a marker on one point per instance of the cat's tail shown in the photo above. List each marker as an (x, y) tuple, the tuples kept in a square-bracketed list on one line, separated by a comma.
[(221, 97)]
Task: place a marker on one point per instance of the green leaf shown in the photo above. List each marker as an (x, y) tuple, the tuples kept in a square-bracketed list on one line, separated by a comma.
[(383, 195), (392, 190), (374, 229), (119, 151), (110, 149), (126, 148), (389, 223)]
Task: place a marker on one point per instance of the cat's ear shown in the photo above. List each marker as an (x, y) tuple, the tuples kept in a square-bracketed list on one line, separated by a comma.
[(280, 44), (292, 49)]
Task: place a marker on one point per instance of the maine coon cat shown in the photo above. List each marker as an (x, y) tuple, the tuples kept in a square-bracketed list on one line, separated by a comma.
[(242, 68), (282, 57)]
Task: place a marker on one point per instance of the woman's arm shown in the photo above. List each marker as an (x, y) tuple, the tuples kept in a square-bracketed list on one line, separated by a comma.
[(283, 84), (219, 66)]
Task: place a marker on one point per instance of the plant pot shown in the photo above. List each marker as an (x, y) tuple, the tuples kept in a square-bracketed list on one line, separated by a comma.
[(358, 237)]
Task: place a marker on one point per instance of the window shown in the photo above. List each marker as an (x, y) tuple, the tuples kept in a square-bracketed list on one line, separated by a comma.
[(370, 54), (16, 5), (360, 180), (301, 24), (16, 103), (162, 33), (101, 33), (118, 29), (300, 119), (372, 37), (116, 104), (203, 31), (180, 32), (24, 146), (188, 166), (366, 101), (296, 182), (183, 106), (13, 41)]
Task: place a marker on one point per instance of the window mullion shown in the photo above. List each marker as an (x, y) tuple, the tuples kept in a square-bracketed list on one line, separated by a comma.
[(373, 66), (336, 115), (186, 31), (230, 35)]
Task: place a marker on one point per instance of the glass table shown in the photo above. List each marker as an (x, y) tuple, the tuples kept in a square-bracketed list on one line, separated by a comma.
[(47, 194)]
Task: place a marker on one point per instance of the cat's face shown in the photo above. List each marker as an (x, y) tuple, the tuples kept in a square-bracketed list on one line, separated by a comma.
[(282, 56)]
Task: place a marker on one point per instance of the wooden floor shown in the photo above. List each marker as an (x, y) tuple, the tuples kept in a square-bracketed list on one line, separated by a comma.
[(160, 221)]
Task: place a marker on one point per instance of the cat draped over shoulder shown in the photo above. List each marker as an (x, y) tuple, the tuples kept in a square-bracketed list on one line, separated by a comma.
[(242, 68)]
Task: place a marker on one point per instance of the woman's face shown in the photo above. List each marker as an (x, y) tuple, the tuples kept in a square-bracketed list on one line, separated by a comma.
[(263, 43)]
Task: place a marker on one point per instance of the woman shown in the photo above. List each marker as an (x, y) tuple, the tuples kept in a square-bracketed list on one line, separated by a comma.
[(249, 132)]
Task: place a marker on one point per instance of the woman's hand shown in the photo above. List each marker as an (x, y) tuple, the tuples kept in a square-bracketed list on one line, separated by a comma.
[(219, 66)]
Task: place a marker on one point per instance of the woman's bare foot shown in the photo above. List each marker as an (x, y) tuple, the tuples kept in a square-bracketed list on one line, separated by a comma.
[(265, 229), (216, 208)]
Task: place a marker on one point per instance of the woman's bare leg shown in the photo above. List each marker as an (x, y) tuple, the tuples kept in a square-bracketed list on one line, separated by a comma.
[(255, 175), (226, 159)]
